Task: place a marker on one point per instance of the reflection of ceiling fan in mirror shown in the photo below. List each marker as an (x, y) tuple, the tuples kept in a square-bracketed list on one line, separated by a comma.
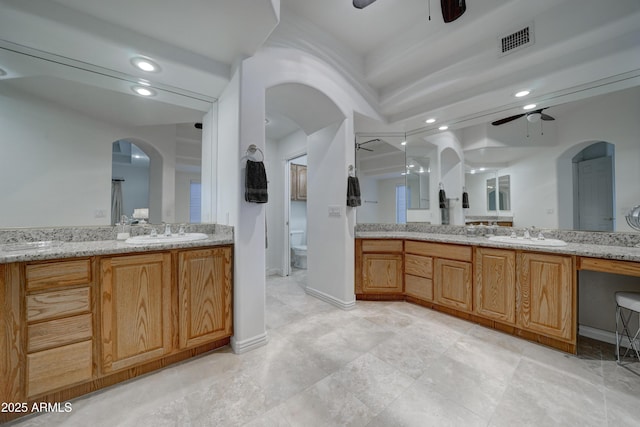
[(532, 117)]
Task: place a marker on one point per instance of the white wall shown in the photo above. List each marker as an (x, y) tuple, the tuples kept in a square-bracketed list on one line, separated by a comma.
[(55, 167), (386, 189)]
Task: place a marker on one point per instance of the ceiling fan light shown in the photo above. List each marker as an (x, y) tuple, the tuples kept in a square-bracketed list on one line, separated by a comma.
[(529, 107), (361, 4), (534, 117)]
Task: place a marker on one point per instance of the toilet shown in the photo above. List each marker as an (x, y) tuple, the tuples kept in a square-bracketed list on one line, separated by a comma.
[(298, 249)]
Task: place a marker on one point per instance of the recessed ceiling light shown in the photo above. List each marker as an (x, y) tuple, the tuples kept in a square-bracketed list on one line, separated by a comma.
[(145, 64), (429, 121), (403, 143), (522, 93), (529, 107), (143, 91), (412, 166), (482, 169), (445, 127)]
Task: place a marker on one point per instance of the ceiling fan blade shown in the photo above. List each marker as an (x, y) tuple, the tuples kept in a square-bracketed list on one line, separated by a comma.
[(546, 117), (507, 119), (361, 4)]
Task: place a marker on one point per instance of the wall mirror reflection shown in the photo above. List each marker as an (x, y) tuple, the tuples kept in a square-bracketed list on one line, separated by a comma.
[(575, 172), (59, 122)]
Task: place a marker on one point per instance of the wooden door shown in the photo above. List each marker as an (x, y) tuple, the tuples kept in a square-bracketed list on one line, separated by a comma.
[(381, 273), (495, 284), (136, 309), (545, 295), (204, 289), (453, 284)]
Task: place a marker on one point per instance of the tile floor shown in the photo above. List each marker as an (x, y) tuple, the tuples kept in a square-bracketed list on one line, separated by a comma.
[(381, 364)]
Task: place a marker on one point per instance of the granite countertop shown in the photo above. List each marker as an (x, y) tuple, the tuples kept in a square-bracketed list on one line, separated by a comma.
[(72, 249), (622, 253)]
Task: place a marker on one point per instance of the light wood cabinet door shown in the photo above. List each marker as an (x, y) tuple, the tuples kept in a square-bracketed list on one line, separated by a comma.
[(136, 309), (545, 292), (452, 284), (382, 273), (204, 289), (495, 284), (298, 182)]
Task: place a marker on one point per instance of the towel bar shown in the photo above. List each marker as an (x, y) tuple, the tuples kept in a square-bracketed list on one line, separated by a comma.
[(251, 151)]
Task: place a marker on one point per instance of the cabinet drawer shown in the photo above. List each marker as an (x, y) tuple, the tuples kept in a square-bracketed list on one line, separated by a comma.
[(59, 367), (56, 333), (418, 265), (418, 287), (440, 250), (53, 304), (381, 245), (64, 273)]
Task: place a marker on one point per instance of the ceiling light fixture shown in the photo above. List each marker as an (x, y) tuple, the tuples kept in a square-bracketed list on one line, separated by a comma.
[(529, 107), (443, 127), (534, 117), (143, 91), (429, 121), (403, 143), (145, 64), (522, 93)]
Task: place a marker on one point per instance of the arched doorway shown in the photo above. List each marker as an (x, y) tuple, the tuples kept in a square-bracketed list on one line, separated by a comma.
[(594, 188)]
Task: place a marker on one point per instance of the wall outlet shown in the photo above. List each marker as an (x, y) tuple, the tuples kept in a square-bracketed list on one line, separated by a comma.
[(335, 211)]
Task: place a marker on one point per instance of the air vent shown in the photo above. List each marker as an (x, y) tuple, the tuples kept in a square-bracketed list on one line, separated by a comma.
[(516, 40)]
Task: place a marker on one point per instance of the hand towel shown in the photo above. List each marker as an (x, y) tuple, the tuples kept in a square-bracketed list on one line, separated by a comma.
[(255, 183), (465, 200), (353, 192), (443, 199)]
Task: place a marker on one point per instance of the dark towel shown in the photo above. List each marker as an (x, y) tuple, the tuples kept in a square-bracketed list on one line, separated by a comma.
[(353, 192), (443, 199), (465, 200), (255, 183)]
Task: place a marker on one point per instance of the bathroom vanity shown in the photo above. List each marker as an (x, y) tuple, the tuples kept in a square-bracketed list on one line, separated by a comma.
[(93, 314), (527, 291)]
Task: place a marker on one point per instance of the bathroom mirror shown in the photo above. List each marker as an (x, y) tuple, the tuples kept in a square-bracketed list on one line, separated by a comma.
[(59, 120), (538, 161)]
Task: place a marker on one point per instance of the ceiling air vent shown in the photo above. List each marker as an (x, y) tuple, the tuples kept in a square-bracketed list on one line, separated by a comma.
[(516, 40)]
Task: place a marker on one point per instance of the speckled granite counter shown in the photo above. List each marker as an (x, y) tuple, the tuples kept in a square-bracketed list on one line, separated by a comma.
[(91, 241), (615, 246)]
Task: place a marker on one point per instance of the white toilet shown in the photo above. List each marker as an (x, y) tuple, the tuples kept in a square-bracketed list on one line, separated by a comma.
[(298, 249)]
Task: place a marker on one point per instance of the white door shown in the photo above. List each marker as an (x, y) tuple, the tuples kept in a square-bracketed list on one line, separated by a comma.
[(595, 194)]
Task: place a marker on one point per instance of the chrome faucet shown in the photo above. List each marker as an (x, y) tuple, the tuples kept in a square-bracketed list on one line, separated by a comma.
[(167, 230), (527, 235)]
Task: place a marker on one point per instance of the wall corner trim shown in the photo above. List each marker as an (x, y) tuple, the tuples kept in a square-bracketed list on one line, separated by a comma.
[(344, 305), (252, 343)]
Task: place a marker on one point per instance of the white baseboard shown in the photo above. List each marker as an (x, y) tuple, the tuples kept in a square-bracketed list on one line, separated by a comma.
[(274, 272), (344, 305), (602, 335), (244, 346)]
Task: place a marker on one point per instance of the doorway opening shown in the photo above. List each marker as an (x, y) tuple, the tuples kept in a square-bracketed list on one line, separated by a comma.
[(594, 188), (129, 181), (296, 246)]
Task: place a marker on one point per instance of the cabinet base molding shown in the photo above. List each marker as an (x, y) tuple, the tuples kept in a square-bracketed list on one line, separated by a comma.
[(69, 393), (380, 297), (567, 347)]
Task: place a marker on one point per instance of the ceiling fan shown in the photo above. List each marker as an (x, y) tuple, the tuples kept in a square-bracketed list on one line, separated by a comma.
[(451, 9), (532, 117)]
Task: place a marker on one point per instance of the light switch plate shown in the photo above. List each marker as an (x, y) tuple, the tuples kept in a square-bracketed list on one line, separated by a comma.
[(335, 210)]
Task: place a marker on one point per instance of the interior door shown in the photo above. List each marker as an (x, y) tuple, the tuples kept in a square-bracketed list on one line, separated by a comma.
[(595, 194)]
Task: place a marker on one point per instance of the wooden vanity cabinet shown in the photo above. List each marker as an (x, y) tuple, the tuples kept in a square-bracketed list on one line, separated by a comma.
[(204, 295), (59, 325), (546, 295), (495, 284), (379, 267), (136, 309)]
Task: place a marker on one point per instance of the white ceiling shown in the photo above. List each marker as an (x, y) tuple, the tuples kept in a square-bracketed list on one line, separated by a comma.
[(407, 66)]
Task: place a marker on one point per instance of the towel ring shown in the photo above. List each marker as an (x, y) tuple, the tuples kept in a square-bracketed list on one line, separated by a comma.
[(251, 151)]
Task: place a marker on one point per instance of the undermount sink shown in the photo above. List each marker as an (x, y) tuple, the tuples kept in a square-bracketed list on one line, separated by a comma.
[(43, 245), (529, 242), (162, 239)]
